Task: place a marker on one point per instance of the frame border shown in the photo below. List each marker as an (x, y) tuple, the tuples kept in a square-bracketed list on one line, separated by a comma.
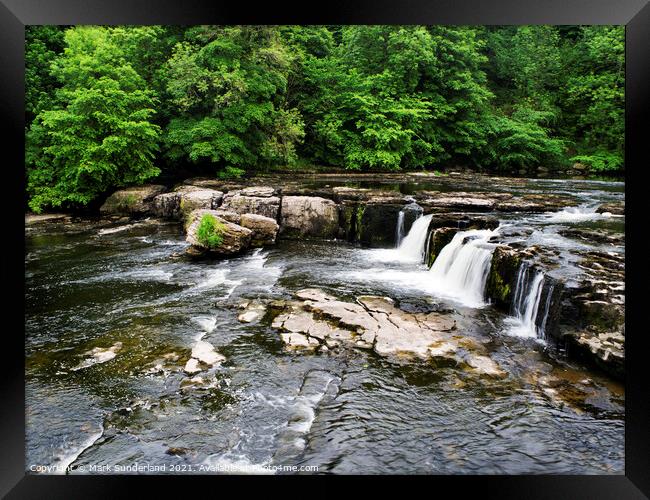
[(635, 14)]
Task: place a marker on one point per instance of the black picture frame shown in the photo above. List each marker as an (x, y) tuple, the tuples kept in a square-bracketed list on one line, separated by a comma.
[(15, 14)]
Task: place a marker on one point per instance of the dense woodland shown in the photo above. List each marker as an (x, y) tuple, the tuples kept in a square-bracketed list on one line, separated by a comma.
[(108, 107)]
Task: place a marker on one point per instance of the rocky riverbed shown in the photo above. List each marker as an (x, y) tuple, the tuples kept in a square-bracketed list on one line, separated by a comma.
[(400, 316)]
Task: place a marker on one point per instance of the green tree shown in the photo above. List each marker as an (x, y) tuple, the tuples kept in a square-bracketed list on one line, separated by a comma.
[(523, 65), (594, 99), (99, 134), (393, 96), (42, 45), (228, 86)]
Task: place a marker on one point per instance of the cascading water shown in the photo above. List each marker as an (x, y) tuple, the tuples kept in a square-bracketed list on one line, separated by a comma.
[(526, 302), (461, 269), (399, 231), (412, 246)]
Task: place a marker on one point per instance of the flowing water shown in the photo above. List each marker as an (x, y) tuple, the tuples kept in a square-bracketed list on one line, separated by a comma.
[(112, 319), (462, 267), (400, 228), (526, 302), (412, 247)]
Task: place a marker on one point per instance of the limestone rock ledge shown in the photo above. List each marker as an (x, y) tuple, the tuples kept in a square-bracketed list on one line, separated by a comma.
[(318, 321)]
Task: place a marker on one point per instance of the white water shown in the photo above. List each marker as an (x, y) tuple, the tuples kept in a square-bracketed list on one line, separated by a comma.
[(412, 246), (582, 213), (399, 232), (525, 303), (67, 457), (207, 323), (461, 269)]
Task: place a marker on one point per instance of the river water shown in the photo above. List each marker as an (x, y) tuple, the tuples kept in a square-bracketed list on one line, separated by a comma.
[(112, 317)]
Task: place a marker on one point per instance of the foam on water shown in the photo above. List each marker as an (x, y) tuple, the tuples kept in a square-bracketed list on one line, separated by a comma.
[(207, 323), (69, 455), (410, 248), (526, 304), (576, 214), (119, 229), (235, 463), (213, 278)]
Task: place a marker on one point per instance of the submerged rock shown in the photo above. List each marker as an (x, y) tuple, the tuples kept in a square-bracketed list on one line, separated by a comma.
[(204, 356), (252, 311), (594, 235), (309, 216), (98, 355), (614, 208), (136, 200)]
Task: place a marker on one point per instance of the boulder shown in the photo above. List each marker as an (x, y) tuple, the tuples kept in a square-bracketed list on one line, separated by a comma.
[(235, 238), (136, 200), (194, 199), (604, 350), (233, 217), (309, 216), (167, 205), (237, 202), (264, 229), (259, 191)]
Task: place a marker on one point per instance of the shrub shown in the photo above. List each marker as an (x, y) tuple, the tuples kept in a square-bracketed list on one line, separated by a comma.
[(231, 173), (210, 232), (603, 161)]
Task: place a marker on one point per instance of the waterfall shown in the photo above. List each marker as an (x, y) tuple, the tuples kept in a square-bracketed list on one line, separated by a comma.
[(399, 232), (526, 302), (547, 308), (461, 269), (411, 247)]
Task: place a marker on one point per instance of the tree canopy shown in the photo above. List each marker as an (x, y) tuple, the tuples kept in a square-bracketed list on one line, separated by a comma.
[(113, 106)]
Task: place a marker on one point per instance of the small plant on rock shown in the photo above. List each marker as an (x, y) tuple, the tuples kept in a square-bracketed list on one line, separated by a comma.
[(210, 232)]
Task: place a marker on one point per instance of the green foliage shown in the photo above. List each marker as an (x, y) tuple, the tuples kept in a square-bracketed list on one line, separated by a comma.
[(601, 161), (100, 101), (595, 96), (210, 232), (42, 45), (99, 135), (231, 173), (228, 86), (392, 97), (521, 140)]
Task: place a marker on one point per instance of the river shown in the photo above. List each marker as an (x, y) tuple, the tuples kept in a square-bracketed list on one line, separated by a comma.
[(112, 316)]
